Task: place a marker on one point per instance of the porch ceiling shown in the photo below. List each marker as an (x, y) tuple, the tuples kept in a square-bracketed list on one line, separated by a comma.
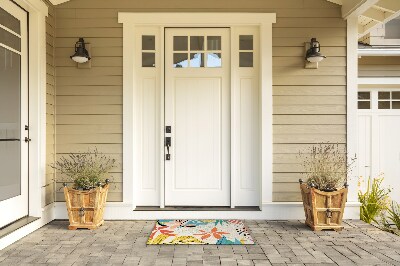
[(371, 13)]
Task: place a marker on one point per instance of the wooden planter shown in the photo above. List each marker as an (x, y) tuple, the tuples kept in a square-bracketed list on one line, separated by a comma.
[(323, 210), (85, 207)]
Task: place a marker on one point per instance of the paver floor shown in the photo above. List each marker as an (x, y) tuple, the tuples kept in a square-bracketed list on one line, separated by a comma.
[(278, 243)]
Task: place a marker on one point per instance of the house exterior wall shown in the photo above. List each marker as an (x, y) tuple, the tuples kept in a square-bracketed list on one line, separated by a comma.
[(379, 66), (309, 104), (48, 189)]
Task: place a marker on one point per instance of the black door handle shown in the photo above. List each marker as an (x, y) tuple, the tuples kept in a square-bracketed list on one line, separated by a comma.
[(168, 144)]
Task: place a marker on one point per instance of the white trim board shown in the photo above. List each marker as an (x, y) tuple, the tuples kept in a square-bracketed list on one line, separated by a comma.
[(270, 211), (132, 124), (379, 80)]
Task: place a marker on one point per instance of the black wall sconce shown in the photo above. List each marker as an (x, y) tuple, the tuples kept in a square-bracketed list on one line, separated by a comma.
[(313, 55), (81, 55)]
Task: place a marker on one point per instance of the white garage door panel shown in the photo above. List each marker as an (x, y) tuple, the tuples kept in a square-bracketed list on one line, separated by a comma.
[(389, 152)]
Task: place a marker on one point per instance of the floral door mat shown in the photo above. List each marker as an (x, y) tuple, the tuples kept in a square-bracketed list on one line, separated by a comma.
[(200, 232)]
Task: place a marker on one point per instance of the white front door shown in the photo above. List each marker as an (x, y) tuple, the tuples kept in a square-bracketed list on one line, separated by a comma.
[(197, 108), (13, 113), (378, 135)]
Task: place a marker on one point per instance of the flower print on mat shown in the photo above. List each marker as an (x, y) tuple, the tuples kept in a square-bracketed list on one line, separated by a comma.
[(200, 232)]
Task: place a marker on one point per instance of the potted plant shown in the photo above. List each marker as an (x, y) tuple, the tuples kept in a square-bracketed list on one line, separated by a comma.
[(324, 192), (86, 198)]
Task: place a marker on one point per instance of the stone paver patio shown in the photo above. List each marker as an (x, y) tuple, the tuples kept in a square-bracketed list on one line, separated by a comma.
[(278, 243)]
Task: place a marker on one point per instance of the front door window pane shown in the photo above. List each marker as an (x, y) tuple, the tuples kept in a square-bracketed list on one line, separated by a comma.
[(196, 43), (10, 121), (197, 60), (180, 60), (180, 43)]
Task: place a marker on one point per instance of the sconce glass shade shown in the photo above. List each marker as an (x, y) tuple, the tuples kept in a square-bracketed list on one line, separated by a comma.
[(81, 54), (313, 54)]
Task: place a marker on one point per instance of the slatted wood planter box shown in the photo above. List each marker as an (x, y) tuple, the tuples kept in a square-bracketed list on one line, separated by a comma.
[(85, 207), (323, 210)]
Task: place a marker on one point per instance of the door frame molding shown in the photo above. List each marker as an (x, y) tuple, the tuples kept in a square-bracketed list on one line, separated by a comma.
[(131, 121), (37, 13)]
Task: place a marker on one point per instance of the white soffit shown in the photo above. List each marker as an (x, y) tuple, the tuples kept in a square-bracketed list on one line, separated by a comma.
[(371, 13)]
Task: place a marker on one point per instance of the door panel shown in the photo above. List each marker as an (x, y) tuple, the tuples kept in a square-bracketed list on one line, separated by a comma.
[(198, 133), (197, 98), (13, 113)]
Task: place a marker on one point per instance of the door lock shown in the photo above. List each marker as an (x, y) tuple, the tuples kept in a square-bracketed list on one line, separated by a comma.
[(168, 144)]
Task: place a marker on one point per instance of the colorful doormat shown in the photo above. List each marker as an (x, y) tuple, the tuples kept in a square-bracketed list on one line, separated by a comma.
[(200, 232)]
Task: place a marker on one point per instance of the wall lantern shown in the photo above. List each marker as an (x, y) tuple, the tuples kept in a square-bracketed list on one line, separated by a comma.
[(81, 54), (313, 55)]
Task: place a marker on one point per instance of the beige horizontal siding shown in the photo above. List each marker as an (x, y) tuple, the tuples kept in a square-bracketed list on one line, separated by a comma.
[(49, 184), (379, 66), (309, 104)]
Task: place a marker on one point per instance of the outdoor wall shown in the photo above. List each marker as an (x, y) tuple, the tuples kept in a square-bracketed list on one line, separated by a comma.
[(48, 189), (379, 66), (309, 104)]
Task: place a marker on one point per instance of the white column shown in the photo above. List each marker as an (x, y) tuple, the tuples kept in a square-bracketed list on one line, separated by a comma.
[(352, 87)]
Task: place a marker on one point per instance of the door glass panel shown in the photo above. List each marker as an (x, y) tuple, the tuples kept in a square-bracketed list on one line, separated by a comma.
[(148, 59), (396, 105), (197, 60), (246, 59), (7, 20), (214, 60), (384, 95), (10, 39), (180, 60), (214, 43), (384, 105), (10, 121), (396, 95), (364, 105), (180, 43), (148, 42), (364, 95), (246, 42), (197, 43)]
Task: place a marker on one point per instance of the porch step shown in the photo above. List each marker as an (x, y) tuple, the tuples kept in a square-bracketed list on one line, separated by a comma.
[(197, 208), (8, 229)]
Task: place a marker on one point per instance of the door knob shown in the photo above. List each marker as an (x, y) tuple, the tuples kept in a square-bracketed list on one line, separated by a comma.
[(27, 139)]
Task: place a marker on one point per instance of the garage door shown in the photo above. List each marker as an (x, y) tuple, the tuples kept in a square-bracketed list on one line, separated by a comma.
[(379, 136)]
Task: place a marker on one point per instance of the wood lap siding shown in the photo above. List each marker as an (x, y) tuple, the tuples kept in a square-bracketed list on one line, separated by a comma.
[(48, 188), (309, 104), (379, 66)]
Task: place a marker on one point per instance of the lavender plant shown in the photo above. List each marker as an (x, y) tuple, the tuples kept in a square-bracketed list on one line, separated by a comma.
[(325, 166), (86, 170)]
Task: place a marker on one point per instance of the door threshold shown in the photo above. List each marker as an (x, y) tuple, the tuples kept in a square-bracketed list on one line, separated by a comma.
[(8, 229), (196, 208)]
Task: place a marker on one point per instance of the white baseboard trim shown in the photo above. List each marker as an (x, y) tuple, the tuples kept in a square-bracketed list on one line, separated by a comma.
[(47, 216), (270, 211)]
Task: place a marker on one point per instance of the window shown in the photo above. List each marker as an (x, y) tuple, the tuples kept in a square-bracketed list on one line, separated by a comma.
[(246, 50), (197, 51), (148, 51), (364, 100), (389, 100)]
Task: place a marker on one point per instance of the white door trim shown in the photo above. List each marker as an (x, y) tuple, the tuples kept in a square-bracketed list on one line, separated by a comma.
[(37, 102), (131, 124)]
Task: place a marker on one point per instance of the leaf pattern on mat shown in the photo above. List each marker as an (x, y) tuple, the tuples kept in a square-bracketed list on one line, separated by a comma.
[(186, 240), (158, 240)]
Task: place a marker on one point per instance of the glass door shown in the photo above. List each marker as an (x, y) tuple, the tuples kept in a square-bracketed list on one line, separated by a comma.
[(13, 113)]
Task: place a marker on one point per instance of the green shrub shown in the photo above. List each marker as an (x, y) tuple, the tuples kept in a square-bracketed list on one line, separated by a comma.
[(374, 201)]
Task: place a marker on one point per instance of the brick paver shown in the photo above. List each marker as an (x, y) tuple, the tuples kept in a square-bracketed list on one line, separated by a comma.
[(277, 243)]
